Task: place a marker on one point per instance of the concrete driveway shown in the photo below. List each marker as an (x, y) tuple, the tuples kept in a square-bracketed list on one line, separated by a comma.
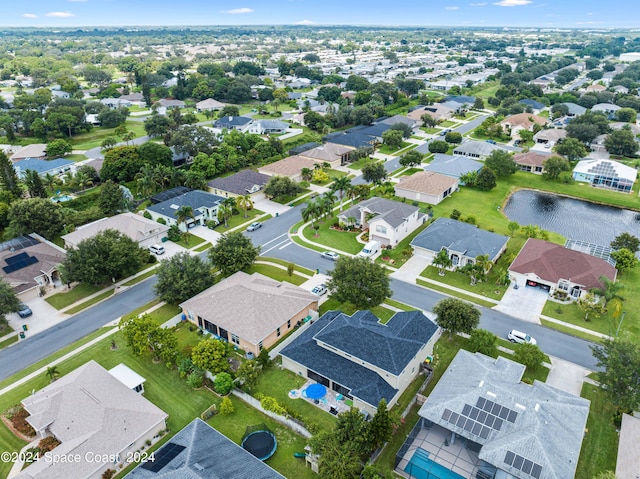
[(566, 376), (524, 303), (44, 315)]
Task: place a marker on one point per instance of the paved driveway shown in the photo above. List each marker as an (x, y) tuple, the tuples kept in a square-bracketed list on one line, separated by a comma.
[(523, 303), (566, 376)]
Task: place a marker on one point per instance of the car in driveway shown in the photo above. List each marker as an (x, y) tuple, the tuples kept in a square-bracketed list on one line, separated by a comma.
[(516, 336), (24, 311), (320, 289), (254, 226), (330, 255)]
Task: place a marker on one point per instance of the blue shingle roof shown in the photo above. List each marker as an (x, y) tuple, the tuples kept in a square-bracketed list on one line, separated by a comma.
[(232, 121), (460, 237), (536, 105), (195, 198), (41, 166)]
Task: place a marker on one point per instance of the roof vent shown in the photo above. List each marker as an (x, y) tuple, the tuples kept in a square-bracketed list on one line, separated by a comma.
[(481, 384), (537, 407), (520, 406), (493, 395), (198, 466)]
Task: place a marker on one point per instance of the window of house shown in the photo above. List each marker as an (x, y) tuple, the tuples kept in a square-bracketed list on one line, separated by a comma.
[(381, 229), (278, 332), (260, 345), (235, 339), (288, 324), (563, 285)]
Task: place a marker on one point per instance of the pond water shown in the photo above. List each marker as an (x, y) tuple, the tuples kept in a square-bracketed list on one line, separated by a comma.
[(574, 219)]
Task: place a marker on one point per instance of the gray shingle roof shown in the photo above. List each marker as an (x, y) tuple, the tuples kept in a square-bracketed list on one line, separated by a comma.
[(460, 237), (575, 109), (536, 105), (455, 166), (549, 426), (480, 148), (195, 198), (207, 455), (232, 121), (240, 183), (393, 212)]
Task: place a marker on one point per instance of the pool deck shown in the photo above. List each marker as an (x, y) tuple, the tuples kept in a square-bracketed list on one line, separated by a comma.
[(456, 457), (330, 400)]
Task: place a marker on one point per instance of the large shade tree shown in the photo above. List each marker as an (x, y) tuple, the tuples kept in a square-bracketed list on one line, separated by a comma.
[(359, 281), (456, 316), (181, 277), (233, 252)]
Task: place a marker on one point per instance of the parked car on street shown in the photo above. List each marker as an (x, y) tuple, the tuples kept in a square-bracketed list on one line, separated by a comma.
[(254, 226), (24, 311), (330, 255), (519, 337), (320, 289)]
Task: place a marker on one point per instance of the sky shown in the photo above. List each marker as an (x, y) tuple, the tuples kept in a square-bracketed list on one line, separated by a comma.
[(594, 14)]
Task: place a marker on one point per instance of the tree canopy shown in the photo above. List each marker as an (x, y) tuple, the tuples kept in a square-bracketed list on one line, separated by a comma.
[(502, 164), (626, 240), (181, 277), (35, 215), (359, 281), (233, 252), (456, 316), (210, 355), (9, 302)]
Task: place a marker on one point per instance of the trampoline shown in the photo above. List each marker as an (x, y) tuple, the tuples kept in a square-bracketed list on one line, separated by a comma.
[(315, 391), (260, 441)]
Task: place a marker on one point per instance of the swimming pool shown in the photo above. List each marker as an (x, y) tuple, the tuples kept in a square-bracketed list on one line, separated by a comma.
[(421, 467), (61, 198)]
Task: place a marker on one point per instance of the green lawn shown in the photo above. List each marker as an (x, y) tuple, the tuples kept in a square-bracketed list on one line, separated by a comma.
[(276, 273), (81, 291), (300, 269), (75, 157), (140, 278), (399, 305), (90, 302), (487, 288), (239, 219), (95, 137), (571, 331), (203, 247), (600, 445), (333, 175), (447, 123), (430, 130), (398, 256), (388, 150), (383, 314), (189, 240), (410, 171), (444, 289), (338, 240), (8, 342), (358, 165)]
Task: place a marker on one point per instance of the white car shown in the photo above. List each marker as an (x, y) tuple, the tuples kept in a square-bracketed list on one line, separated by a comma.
[(320, 289), (330, 255), (254, 226), (519, 337)]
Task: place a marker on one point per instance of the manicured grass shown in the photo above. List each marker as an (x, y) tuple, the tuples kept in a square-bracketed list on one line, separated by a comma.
[(410, 171), (8, 342), (164, 313), (300, 269), (296, 239), (388, 150), (284, 200), (234, 425), (571, 313), (489, 90), (96, 136), (487, 288), (600, 445), (8, 442), (571, 331), (399, 305), (189, 241), (456, 294), (447, 123), (146, 307), (75, 157), (338, 240), (239, 219), (276, 273), (81, 291), (383, 314), (276, 383), (142, 277), (430, 130), (91, 302), (4, 327), (398, 255), (203, 247), (358, 165)]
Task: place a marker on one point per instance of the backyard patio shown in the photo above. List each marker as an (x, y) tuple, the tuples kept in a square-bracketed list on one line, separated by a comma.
[(321, 397)]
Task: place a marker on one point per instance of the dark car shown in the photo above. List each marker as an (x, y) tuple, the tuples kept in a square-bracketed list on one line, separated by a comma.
[(24, 311)]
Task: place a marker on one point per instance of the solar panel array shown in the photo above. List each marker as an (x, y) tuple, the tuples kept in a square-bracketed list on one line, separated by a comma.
[(525, 465), (18, 261), (163, 457), (604, 168), (18, 243), (482, 418)]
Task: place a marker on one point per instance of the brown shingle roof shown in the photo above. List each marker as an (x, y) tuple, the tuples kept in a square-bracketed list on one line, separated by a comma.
[(552, 262), (530, 158), (49, 257), (427, 182), (290, 166), (327, 152), (524, 120)]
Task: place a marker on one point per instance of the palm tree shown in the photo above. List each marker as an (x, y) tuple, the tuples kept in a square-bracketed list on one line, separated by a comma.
[(50, 181), (306, 174), (53, 373), (69, 179), (177, 177), (145, 181), (610, 291), (311, 211), (128, 136), (484, 261), (182, 214), (245, 203), (162, 175), (341, 185), (326, 203), (225, 210), (530, 231), (442, 261), (82, 180)]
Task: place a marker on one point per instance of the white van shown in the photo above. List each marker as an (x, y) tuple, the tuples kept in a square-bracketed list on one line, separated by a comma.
[(516, 336), (369, 250), (157, 249)]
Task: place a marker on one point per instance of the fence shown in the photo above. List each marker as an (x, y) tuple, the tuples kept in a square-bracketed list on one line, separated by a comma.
[(281, 419)]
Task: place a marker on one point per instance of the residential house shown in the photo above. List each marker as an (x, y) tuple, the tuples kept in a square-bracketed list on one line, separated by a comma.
[(476, 149), (465, 100), (333, 154), (426, 186), (204, 206), (115, 103), (198, 451), (92, 119), (453, 165), (244, 182), (495, 425), (574, 109), (437, 111), (522, 121), (463, 242), (358, 136), (531, 161), (209, 105), (628, 463), (134, 98), (607, 174), (595, 88), (169, 103), (552, 268), (550, 137), (143, 231), (268, 127), (250, 311), (290, 166), (43, 167), (93, 415), (29, 262), (294, 95), (609, 109), (240, 123), (37, 151), (623, 90), (394, 120), (361, 358), (598, 143), (535, 106), (620, 125), (388, 221)]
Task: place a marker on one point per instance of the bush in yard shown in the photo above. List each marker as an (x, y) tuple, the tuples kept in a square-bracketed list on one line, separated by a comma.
[(19, 422), (528, 354), (483, 341), (47, 444), (226, 406), (223, 383), (271, 404), (210, 355), (195, 379), (108, 474), (174, 234)]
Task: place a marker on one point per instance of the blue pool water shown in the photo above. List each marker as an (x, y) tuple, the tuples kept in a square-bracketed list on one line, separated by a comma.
[(421, 467), (61, 198)]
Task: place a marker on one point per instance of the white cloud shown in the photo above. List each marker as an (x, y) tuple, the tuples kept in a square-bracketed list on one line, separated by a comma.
[(60, 14), (512, 3), (237, 11), (305, 22), (589, 23), (483, 4), (451, 8), (30, 15)]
